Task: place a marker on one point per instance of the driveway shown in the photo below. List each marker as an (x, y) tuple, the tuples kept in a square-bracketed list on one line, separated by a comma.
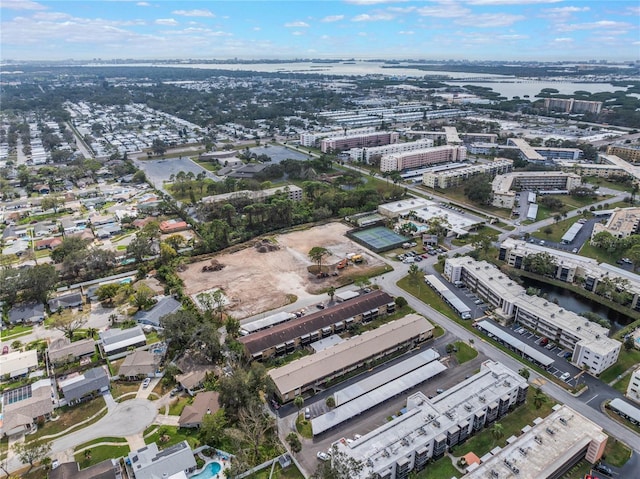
[(125, 419)]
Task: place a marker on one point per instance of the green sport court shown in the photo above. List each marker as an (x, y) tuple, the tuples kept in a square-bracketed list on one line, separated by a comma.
[(378, 238)]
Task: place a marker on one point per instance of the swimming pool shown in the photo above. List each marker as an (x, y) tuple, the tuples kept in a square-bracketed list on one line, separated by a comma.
[(209, 471)]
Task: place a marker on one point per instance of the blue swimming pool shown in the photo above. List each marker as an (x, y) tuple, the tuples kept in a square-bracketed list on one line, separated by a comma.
[(209, 471)]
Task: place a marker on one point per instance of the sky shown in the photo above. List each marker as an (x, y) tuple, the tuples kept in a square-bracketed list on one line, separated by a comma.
[(546, 30)]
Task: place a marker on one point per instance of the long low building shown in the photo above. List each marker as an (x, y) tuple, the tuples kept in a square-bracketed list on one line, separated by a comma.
[(364, 155), (313, 371), (503, 186), (452, 178), (591, 346), (429, 427), (422, 157), (287, 337), (548, 449)]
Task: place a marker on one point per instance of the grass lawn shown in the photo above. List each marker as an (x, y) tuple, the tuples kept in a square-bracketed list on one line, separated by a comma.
[(626, 359), (69, 417), (291, 472), (605, 183), (178, 405), (442, 468), (121, 388), (99, 454), (424, 293), (621, 420), (579, 470), (457, 195), (471, 238), (465, 352), (16, 331), (621, 385), (99, 440), (557, 230), (438, 331), (173, 435), (304, 427), (599, 254), (616, 453), (512, 423)]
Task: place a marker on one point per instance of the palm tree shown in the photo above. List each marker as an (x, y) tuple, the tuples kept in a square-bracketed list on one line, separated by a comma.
[(539, 398), (331, 292), (298, 402), (497, 431), (330, 402), (525, 373)]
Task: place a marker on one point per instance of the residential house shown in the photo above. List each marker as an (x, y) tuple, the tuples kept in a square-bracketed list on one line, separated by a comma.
[(63, 351), (108, 231), (48, 243), (193, 414), (77, 386), (115, 340), (164, 307), (32, 312), (107, 469), (18, 363), (42, 189), (173, 226), (30, 404), (142, 222), (139, 363), (192, 380), (69, 300), (151, 463)]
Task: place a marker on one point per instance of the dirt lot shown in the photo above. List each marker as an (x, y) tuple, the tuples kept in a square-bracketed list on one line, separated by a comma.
[(256, 282)]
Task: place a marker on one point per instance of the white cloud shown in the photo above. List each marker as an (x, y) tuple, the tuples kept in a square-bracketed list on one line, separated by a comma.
[(373, 2), (143, 4), (296, 25), (406, 32), (509, 2), (297, 33), (488, 20), (256, 29), (333, 18), (617, 27), (362, 34), (166, 21), (193, 13), (513, 36), (563, 40), (444, 10), (566, 10), (22, 5), (376, 17)]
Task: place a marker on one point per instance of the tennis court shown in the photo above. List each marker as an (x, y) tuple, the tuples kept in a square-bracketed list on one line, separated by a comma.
[(378, 239)]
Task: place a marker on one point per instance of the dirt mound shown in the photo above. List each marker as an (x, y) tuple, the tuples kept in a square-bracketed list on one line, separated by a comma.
[(265, 246)]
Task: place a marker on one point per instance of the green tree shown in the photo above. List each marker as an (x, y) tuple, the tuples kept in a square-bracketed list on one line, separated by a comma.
[(212, 429), (330, 402), (141, 298), (525, 373), (497, 431), (400, 301), (31, 452), (298, 402), (39, 282), (540, 263), (294, 442), (539, 398), (317, 254), (107, 292), (341, 466), (478, 189), (633, 254), (69, 324)]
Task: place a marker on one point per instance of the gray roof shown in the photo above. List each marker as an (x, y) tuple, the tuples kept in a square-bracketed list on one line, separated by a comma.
[(115, 335), (139, 363), (92, 380), (107, 469), (26, 312), (165, 306), (151, 463), (65, 301), (63, 349)]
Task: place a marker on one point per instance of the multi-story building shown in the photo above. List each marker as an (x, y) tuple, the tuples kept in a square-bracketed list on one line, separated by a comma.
[(293, 192), (630, 168), (539, 181), (364, 155), (600, 170), (430, 427), (490, 138), (315, 370), (312, 139), (626, 152), (358, 140), (623, 222), (571, 105), (548, 448), (589, 341), (633, 389), (422, 157), (286, 337), (452, 178), (574, 268)]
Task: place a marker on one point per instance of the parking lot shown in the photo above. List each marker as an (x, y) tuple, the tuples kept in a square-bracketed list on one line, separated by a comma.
[(561, 356)]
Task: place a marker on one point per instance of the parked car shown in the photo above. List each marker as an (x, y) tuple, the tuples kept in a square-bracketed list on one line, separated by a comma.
[(544, 342), (565, 376), (320, 306), (323, 456), (603, 468), (145, 383), (568, 354), (307, 413)]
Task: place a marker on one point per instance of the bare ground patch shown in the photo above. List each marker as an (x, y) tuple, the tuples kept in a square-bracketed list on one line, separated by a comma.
[(255, 282)]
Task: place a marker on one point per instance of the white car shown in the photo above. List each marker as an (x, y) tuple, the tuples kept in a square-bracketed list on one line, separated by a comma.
[(145, 383), (323, 456), (565, 376)]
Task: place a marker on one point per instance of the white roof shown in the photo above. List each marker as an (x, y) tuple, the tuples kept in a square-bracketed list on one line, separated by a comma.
[(18, 362)]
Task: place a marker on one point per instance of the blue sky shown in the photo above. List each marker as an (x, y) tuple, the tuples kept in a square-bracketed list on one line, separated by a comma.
[(435, 29)]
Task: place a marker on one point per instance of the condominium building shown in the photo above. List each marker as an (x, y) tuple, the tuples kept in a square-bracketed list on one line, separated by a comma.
[(623, 222), (543, 154), (430, 427), (292, 192), (571, 105), (574, 268), (312, 138), (630, 168), (589, 341), (452, 178), (600, 170), (451, 135), (633, 389), (491, 138), (364, 155), (359, 140), (626, 152), (549, 448), (423, 157), (539, 181)]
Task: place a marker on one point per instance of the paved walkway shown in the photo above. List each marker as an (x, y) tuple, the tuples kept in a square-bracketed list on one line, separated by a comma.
[(143, 393)]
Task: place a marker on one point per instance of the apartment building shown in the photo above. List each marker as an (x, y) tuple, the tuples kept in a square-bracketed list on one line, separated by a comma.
[(292, 192), (599, 170), (574, 268), (626, 152), (490, 138), (539, 181), (312, 138), (452, 178), (430, 427), (548, 448), (571, 105), (623, 222), (543, 154), (633, 389), (358, 140), (422, 157), (630, 168), (589, 341), (364, 155)]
